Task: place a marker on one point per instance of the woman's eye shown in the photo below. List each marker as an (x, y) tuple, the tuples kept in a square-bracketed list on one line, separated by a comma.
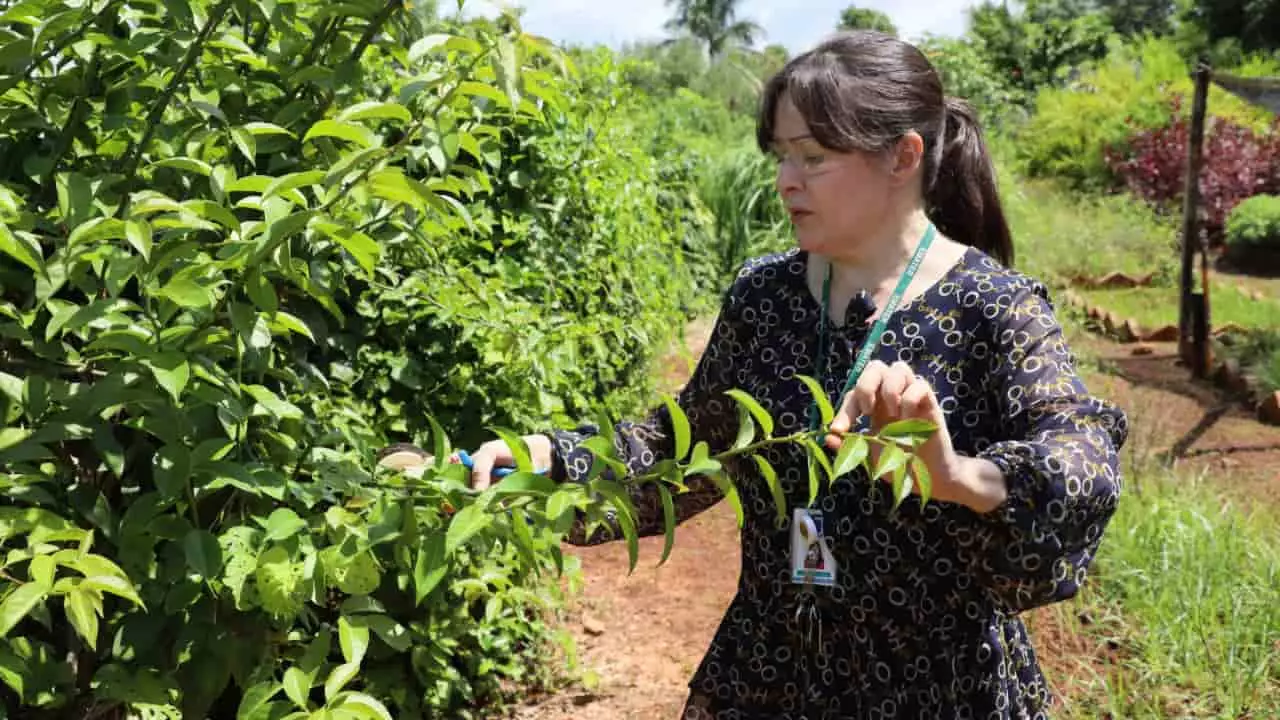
[(812, 160)]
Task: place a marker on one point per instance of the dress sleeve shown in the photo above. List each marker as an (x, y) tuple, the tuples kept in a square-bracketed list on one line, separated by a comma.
[(641, 445), (1059, 453)]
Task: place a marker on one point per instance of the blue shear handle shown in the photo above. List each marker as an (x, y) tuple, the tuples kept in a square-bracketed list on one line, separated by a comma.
[(498, 471)]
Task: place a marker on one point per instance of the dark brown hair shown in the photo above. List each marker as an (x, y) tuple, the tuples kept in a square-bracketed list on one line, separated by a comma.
[(862, 90)]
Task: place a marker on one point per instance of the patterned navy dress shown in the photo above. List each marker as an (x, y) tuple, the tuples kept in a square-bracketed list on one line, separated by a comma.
[(923, 622)]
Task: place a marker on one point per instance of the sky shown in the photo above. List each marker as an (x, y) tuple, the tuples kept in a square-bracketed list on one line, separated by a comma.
[(795, 24)]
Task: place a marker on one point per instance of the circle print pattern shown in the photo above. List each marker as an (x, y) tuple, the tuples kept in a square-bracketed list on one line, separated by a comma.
[(924, 621)]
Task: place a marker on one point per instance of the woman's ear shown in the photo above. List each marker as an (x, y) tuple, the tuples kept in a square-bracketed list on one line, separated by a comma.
[(906, 158)]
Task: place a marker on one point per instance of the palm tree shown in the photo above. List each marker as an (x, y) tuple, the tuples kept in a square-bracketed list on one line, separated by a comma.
[(714, 23)]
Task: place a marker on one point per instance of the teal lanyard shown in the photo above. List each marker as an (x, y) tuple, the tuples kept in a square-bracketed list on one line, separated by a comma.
[(873, 337)]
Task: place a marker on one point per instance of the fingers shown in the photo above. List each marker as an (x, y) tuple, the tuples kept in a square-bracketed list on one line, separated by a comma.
[(494, 452), (895, 381), (917, 400)]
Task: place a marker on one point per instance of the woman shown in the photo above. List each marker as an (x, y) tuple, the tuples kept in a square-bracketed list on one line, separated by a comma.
[(893, 197)]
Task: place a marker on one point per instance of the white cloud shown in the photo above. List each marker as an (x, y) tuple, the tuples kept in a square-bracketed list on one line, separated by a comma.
[(795, 25)]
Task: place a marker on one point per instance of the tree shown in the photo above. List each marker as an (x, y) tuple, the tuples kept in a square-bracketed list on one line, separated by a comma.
[(856, 18), (1251, 23), (715, 23), (1134, 17)]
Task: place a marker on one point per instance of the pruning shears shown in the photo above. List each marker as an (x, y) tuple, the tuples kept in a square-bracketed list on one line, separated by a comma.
[(499, 471)]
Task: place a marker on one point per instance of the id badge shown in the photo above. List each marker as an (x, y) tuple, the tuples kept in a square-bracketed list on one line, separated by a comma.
[(811, 560)]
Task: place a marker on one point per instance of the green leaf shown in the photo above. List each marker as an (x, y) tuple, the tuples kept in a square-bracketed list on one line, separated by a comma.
[(746, 429), (923, 479), (621, 500), (171, 371), (247, 144), (204, 555), (700, 463), (350, 132), (186, 292), (354, 640), (82, 609), (519, 449), (18, 604), (266, 128), (339, 678), (283, 524), (293, 181), (892, 458), (191, 165), (853, 452), (730, 493), (362, 706), (468, 521), (814, 482), (364, 249), (138, 233), (507, 70), (524, 483), (828, 413), (273, 404), (680, 425), (10, 436), (762, 416), (668, 522), (20, 249), (172, 470), (560, 502), (911, 428), (120, 587), (372, 110), (424, 45), (430, 567), (775, 488), (297, 685)]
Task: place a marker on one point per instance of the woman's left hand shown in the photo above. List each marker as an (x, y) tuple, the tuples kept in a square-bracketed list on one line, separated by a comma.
[(888, 393)]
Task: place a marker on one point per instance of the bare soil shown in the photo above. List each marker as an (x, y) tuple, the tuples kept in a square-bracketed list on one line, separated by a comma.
[(641, 636)]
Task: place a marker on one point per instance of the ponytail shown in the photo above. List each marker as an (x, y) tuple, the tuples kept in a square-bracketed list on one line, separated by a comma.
[(961, 198)]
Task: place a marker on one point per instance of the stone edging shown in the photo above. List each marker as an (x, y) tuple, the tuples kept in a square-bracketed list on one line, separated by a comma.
[(1227, 374)]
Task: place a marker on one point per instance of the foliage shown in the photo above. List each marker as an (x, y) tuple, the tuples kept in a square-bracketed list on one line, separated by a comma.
[(1130, 91), (1250, 23), (714, 23), (237, 261), (750, 219), (1037, 47), (967, 73), (856, 18), (234, 262), (1237, 164), (1255, 221)]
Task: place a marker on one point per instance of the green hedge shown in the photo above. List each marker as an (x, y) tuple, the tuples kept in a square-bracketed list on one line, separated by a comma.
[(243, 245)]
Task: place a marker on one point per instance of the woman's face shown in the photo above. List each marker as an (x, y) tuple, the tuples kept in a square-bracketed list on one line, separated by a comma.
[(836, 199)]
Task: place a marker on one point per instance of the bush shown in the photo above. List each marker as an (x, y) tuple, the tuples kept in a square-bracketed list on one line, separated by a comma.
[(234, 263), (1238, 163), (967, 73), (1127, 92), (1256, 221)]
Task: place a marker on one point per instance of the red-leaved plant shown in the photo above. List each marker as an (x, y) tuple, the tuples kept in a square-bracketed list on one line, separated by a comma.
[(1238, 163)]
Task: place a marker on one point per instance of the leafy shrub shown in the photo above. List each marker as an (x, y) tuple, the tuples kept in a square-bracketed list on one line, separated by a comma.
[(235, 262), (1128, 91), (1238, 163), (968, 73), (1256, 221)]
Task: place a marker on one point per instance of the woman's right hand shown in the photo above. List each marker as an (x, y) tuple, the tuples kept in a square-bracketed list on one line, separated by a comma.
[(495, 453)]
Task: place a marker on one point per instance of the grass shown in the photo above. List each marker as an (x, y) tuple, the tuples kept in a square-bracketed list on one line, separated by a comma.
[(1153, 307), (1184, 593), (1181, 615), (1058, 235)]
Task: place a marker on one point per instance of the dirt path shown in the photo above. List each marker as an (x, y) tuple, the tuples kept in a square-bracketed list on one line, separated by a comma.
[(644, 635)]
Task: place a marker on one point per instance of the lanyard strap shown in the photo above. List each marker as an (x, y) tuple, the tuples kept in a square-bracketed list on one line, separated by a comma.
[(873, 337)]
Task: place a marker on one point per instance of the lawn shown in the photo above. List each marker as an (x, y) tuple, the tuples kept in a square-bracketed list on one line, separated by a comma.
[(1152, 307)]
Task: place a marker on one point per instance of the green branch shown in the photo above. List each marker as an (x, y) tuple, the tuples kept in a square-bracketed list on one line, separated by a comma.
[(375, 25), (133, 155)]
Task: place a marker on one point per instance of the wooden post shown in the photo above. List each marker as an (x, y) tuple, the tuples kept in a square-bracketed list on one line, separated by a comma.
[(1191, 309)]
